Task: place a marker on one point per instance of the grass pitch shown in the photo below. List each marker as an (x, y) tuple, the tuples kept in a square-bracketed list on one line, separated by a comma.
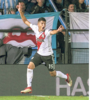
[(43, 98)]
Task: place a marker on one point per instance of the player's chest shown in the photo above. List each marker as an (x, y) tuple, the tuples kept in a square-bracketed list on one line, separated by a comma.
[(41, 35)]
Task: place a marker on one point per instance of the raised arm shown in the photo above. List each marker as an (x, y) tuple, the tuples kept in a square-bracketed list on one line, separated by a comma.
[(58, 30), (22, 15)]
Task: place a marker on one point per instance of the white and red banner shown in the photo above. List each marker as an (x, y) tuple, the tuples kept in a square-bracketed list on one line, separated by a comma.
[(25, 38), (22, 39)]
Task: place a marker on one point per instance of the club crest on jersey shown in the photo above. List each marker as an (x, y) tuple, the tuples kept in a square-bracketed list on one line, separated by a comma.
[(42, 35)]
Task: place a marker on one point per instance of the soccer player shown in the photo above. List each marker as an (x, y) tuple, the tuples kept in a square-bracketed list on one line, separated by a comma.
[(44, 52)]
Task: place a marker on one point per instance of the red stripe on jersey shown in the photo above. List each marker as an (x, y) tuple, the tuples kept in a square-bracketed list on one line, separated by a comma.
[(42, 37)]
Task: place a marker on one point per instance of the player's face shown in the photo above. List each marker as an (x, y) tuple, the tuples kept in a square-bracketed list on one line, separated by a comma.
[(41, 25)]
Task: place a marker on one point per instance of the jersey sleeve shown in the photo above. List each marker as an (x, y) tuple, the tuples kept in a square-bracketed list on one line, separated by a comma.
[(34, 27), (47, 33)]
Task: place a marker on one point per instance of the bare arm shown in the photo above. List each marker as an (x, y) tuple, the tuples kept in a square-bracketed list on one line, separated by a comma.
[(22, 15), (54, 32), (24, 19), (58, 30)]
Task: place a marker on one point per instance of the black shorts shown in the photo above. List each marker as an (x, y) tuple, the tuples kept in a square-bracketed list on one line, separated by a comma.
[(49, 61)]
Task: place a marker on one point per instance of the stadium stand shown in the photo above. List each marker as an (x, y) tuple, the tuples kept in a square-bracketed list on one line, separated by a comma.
[(1, 4), (7, 4), (87, 3)]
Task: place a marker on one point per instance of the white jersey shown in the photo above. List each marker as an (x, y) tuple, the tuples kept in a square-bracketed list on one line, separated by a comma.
[(43, 41)]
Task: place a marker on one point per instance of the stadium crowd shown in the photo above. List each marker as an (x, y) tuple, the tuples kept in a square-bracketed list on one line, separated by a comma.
[(43, 6)]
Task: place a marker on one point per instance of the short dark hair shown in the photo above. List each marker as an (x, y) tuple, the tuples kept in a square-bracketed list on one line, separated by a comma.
[(42, 19)]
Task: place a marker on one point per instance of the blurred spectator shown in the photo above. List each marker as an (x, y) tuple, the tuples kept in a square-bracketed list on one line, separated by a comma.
[(29, 4), (7, 4), (80, 5), (58, 4), (41, 7), (87, 3), (70, 8), (32, 1), (1, 11), (67, 2), (23, 8), (60, 36), (1, 6), (11, 11)]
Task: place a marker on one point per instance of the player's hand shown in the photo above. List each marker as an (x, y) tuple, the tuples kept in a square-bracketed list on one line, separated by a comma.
[(60, 28), (19, 7)]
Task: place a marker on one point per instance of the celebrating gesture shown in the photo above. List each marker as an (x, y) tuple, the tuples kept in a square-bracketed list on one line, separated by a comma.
[(19, 7), (44, 52)]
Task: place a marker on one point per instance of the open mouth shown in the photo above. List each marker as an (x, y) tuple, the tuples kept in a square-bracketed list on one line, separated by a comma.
[(43, 28)]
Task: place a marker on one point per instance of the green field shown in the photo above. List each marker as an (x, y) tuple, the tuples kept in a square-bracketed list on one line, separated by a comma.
[(43, 98)]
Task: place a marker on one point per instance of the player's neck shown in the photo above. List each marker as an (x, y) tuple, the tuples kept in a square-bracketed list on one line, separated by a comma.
[(41, 30)]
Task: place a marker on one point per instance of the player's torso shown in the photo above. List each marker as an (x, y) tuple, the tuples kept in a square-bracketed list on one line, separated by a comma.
[(44, 43)]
